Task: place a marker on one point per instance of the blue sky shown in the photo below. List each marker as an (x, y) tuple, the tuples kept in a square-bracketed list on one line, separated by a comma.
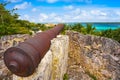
[(67, 10)]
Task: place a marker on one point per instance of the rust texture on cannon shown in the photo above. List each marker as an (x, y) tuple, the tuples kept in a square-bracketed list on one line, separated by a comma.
[(23, 59)]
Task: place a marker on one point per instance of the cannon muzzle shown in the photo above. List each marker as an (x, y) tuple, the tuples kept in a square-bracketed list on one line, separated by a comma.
[(23, 59)]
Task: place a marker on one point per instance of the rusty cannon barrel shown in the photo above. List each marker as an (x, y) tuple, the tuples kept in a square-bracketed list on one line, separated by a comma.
[(23, 59)]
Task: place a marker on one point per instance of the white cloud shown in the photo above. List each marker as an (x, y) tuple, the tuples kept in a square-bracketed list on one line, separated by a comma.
[(32, 20), (77, 14), (70, 7), (19, 17), (53, 15), (23, 5), (118, 13), (26, 17), (59, 19), (43, 17), (98, 13), (34, 10), (75, 11), (83, 15), (14, 1), (67, 17)]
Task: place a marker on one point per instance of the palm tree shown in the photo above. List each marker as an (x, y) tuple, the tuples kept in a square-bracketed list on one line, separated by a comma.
[(90, 29), (77, 27)]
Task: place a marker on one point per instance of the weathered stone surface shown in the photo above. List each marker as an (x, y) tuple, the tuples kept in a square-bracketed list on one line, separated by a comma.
[(93, 57), (54, 64), (11, 40)]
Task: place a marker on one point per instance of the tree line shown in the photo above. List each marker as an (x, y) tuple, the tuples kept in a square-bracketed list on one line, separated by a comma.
[(89, 29)]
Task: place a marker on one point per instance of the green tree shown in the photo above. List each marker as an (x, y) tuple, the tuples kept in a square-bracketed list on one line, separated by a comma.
[(9, 23), (78, 27), (114, 34), (89, 29)]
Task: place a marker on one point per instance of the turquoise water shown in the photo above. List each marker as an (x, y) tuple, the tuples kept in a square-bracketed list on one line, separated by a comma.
[(101, 26), (104, 26)]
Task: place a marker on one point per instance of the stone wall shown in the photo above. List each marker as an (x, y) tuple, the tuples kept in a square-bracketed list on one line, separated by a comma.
[(54, 64), (93, 58), (81, 57), (11, 40)]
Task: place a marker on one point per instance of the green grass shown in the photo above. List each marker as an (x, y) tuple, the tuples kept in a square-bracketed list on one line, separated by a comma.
[(65, 77)]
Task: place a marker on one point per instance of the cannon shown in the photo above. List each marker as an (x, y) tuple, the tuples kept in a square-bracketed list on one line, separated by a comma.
[(24, 58)]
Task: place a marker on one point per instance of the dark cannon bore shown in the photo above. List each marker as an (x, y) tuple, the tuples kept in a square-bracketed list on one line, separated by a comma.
[(23, 59)]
